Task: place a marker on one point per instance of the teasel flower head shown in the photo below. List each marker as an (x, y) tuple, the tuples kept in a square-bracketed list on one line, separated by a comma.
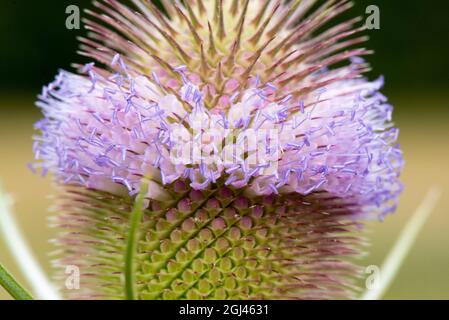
[(251, 138)]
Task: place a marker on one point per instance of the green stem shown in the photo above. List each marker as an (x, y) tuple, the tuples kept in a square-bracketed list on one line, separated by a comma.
[(10, 284), (131, 244)]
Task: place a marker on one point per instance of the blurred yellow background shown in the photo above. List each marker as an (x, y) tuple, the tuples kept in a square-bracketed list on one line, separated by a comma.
[(424, 138)]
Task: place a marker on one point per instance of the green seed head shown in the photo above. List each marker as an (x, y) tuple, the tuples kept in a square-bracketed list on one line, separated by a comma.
[(214, 244)]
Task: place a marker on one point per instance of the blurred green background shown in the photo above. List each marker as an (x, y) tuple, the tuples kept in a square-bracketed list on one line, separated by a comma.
[(412, 51)]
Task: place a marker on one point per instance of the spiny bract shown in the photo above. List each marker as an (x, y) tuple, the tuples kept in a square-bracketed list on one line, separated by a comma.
[(216, 227)]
